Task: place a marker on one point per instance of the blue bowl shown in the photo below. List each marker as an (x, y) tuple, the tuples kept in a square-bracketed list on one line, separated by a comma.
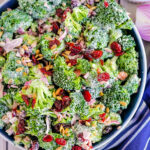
[(136, 98)]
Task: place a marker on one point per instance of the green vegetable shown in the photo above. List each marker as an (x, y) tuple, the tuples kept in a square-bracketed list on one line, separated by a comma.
[(64, 76), (36, 125), (83, 65), (80, 14), (12, 72), (96, 37), (128, 62), (45, 49), (2, 61), (132, 84), (12, 20), (44, 99), (115, 34), (74, 28), (127, 42), (39, 9), (112, 16), (114, 96)]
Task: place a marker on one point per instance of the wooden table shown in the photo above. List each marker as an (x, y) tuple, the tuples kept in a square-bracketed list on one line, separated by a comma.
[(131, 8)]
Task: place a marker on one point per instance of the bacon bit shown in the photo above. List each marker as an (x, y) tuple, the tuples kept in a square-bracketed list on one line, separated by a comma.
[(61, 141), (87, 95), (19, 69), (73, 62), (76, 147), (26, 100), (103, 77), (33, 103), (47, 138), (103, 117), (123, 103), (77, 72), (59, 12), (122, 75), (102, 62), (106, 4), (107, 110), (88, 56), (101, 93)]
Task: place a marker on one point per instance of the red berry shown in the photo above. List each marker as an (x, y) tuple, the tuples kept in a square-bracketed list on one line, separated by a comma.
[(26, 99), (66, 100), (76, 147), (75, 50), (65, 14), (97, 54), (47, 138), (55, 27), (102, 62), (54, 42), (102, 116), (33, 103), (44, 71), (61, 141), (73, 62), (88, 56), (34, 59), (103, 77), (87, 95), (106, 4), (58, 106), (119, 54), (116, 47), (59, 12)]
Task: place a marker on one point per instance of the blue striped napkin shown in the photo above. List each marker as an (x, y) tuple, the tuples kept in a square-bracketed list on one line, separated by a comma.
[(136, 135)]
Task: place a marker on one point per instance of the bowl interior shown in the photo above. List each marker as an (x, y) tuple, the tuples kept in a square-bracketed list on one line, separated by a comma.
[(136, 98)]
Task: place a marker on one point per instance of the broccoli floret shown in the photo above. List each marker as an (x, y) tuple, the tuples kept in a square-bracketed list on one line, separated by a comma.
[(83, 65), (2, 61), (96, 38), (80, 14), (13, 72), (127, 42), (115, 34), (74, 28), (116, 97), (106, 55), (43, 95), (36, 125), (3, 110), (112, 16), (12, 20), (64, 76), (128, 62), (45, 48), (78, 104), (39, 9), (132, 84), (128, 25)]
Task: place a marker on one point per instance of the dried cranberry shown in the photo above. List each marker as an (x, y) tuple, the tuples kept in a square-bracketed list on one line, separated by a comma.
[(26, 99), (59, 12), (116, 47), (21, 127), (106, 4), (80, 136), (33, 103), (87, 95), (47, 138), (102, 116), (61, 141), (102, 62), (103, 76), (66, 100), (84, 121), (76, 147), (70, 44), (34, 59), (119, 54), (34, 146), (73, 62), (44, 71), (88, 56), (97, 54), (58, 106), (76, 49), (61, 93), (54, 42), (55, 27), (64, 16)]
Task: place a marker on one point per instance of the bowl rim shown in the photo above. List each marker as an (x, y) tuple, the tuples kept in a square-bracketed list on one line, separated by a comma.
[(101, 144)]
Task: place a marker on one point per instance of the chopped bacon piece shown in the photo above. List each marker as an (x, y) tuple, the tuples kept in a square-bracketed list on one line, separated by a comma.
[(26, 99)]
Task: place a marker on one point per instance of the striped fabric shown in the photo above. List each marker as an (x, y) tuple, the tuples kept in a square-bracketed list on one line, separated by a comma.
[(136, 136)]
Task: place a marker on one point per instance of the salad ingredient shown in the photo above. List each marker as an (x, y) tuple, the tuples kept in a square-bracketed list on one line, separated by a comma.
[(2, 61)]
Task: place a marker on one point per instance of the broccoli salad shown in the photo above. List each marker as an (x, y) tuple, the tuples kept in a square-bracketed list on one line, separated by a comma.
[(68, 69)]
